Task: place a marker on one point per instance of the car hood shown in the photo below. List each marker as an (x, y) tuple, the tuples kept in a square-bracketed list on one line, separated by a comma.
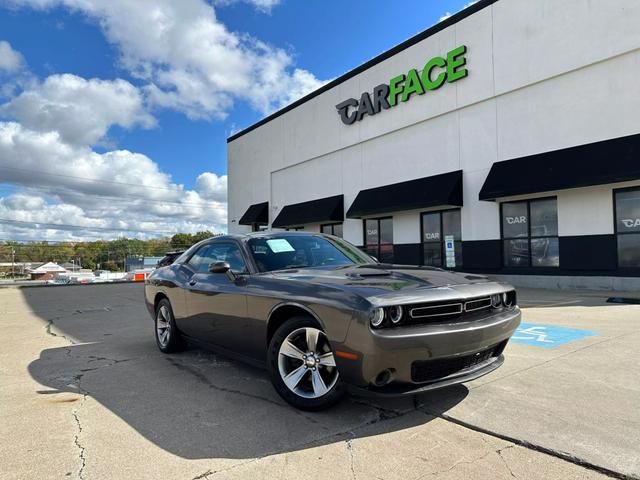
[(383, 280)]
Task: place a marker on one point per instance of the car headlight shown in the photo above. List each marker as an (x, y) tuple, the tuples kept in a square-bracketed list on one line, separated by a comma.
[(509, 298), (377, 317), (395, 314), (496, 300)]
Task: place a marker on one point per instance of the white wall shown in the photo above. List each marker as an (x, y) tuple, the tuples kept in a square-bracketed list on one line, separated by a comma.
[(543, 75)]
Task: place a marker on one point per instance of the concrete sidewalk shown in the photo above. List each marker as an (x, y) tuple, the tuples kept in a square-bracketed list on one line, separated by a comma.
[(86, 394)]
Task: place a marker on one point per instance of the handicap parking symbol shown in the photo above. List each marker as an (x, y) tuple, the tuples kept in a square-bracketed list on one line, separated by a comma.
[(548, 336)]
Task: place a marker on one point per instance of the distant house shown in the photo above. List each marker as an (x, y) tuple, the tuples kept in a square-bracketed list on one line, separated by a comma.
[(71, 267), (46, 271)]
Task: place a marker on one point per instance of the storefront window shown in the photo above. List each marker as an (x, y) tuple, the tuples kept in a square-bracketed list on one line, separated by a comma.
[(436, 228), (332, 229), (378, 238), (530, 233), (628, 227)]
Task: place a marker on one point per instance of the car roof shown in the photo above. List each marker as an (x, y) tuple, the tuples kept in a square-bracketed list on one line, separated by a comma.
[(264, 234)]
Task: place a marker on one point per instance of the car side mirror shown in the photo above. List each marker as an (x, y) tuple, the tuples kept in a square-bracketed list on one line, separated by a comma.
[(223, 267), (219, 267)]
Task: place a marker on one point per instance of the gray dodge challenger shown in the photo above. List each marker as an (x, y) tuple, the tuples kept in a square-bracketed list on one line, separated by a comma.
[(322, 315)]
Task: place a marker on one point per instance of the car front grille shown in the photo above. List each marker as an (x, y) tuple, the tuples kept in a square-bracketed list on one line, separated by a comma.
[(431, 370), (459, 310)]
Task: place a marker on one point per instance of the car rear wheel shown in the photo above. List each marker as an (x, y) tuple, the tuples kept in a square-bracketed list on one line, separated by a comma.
[(167, 335), (302, 365)]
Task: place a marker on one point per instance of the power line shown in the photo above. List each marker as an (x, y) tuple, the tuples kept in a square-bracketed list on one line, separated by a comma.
[(86, 179), (120, 198), (63, 226)]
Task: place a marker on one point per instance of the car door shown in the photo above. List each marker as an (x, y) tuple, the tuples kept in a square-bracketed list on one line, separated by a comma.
[(216, 303)]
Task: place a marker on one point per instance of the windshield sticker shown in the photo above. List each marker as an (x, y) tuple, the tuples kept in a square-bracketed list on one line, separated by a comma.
[(278, 245)]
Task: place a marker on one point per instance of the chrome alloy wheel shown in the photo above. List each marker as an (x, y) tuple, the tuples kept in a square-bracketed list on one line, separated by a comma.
[(163, 326), (306, 363)]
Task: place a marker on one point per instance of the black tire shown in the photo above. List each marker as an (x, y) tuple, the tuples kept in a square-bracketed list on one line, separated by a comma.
[(173, 342), (334, 393)]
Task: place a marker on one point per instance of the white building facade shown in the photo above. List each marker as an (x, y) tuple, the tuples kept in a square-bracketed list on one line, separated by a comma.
[(504, 140)]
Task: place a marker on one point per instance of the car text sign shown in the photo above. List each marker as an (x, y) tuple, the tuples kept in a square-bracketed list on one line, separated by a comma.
[(548, 336)]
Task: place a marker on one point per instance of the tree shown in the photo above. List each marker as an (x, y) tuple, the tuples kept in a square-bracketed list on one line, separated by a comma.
[(198, 237), (111, 266), (181, 241)]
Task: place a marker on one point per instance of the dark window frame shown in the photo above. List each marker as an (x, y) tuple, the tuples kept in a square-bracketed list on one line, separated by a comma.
[(615, 227), (295, 229), (378, 244), (528, 202), (441, 241), (332, 225)]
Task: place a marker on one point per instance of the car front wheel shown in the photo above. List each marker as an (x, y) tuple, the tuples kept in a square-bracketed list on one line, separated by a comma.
[(302, 365)]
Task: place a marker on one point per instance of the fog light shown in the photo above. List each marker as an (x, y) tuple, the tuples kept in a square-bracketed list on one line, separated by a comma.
[(383, 378), (395, 314), (377, 317), (496, 300)]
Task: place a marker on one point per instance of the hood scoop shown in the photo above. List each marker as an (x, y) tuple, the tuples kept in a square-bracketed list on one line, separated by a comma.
[(368, 273)]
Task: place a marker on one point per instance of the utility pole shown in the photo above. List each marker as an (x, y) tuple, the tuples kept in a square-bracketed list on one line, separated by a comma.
[(13, 261)]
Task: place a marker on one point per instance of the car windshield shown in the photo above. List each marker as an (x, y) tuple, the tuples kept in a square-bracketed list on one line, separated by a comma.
[(280, 252)]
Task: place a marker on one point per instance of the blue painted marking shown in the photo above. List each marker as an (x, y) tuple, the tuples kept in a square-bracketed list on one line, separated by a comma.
[(548, 336)]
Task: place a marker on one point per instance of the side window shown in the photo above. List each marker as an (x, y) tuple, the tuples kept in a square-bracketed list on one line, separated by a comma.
[(627, 205), (530, 233), (436, 227), (378, 238), (218, 252), (332, 229)]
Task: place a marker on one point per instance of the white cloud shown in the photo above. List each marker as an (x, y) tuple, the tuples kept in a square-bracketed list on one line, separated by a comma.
[(74, 185), (262, 5), (212, 186), (448, 14), (10, 60), (189, 60), (80, 110)]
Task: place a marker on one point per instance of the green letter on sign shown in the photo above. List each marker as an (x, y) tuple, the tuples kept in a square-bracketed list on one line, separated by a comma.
[(456, 63), (412, 85), (426, 73), (395, 88)]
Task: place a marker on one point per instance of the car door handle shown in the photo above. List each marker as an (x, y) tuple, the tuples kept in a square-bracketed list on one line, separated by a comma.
[(192, 282)]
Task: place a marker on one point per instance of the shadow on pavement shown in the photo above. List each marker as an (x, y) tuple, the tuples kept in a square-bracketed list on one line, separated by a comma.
[(194, 404)]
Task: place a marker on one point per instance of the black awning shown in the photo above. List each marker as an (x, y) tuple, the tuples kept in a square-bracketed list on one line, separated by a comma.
[(329, 209), (609, 161), (256, 214), (438, 190)]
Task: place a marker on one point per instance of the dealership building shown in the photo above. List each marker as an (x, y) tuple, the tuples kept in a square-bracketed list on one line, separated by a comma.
[(503, 140)]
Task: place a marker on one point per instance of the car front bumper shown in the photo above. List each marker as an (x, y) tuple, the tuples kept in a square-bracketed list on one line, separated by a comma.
[(424, 357)]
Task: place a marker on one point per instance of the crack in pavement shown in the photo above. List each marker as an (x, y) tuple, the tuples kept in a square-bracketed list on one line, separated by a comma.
[(76, 440), (504, 460), (455, 465), (51, 323), (350, 450), (471, 462), (209, 473)]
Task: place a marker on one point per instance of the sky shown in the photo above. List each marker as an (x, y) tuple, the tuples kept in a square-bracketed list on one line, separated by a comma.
[(114, 114)]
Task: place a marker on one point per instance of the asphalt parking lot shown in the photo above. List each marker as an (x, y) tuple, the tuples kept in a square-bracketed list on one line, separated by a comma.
[(86, 394)]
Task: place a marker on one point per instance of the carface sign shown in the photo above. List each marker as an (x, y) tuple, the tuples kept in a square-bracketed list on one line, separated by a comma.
[(435, 73)]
